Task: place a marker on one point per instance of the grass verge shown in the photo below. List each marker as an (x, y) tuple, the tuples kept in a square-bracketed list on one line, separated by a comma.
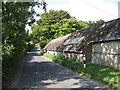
[(107, 75)]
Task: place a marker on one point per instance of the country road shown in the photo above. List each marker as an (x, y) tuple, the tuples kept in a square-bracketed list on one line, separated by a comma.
[(40, 72)]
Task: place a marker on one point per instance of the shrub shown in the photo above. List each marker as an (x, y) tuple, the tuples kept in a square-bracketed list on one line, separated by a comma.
[(42, 52)]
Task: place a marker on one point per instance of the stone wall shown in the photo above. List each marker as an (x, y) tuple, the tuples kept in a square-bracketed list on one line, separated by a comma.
[(119, 55), (74, 56), (69, 55), (106, 53), (55, 53)]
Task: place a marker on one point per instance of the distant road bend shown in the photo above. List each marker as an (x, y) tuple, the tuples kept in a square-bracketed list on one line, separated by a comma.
[(40, 72)]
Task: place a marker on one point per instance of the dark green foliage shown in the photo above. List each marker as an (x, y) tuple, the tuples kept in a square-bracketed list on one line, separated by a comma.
[(108, 75), (30, 47), (15, 39)]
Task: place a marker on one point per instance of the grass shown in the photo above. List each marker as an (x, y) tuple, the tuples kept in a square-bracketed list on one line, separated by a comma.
[(105, 74)]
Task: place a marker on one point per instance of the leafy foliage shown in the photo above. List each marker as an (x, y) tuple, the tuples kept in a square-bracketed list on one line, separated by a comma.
[(108, 75), (54, 24), (15, 39), (46, 28)]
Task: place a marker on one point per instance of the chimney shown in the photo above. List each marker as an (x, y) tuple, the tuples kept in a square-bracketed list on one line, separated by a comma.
[(119, 9)]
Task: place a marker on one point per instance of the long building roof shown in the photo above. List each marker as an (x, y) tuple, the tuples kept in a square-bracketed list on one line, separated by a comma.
[(55, 43), (81, 39)]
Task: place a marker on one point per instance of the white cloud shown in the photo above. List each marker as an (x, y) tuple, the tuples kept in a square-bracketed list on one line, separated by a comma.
[(87, 9)]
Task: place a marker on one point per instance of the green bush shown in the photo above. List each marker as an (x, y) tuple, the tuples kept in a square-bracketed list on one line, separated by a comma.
[(108, 75), (42, 52), (11, 57)]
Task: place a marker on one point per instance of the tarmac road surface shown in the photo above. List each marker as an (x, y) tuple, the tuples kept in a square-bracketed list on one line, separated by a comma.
[(40, 72)]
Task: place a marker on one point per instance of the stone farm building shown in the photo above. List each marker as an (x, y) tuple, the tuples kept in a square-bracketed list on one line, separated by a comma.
[(52, 46), (99, 44)]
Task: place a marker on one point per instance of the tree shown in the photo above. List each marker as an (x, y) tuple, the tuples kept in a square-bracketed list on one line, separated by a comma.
[(91, 23), (66, 26), (15, 39), (54, 24), (44, 31)]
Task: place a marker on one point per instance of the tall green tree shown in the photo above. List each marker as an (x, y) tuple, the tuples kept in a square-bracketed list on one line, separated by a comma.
[(57, 23), (66, 26), (15, 39), (44, 31)]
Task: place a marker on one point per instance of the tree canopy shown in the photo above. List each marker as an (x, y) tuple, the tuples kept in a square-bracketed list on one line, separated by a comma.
[(57, 23), (15, 39)]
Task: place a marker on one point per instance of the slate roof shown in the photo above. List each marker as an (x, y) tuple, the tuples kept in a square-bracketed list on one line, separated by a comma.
[(77, 41), (102, 32), (55, 43)]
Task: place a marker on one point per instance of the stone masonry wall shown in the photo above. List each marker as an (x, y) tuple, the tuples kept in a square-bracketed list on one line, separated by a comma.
[(106, 53), (74, 56), (119, 55)]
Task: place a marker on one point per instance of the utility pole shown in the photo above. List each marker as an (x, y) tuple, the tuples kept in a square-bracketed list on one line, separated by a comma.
[(119, 9)]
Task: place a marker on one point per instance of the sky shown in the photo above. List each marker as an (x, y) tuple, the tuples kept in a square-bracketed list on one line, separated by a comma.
[(85, 9)]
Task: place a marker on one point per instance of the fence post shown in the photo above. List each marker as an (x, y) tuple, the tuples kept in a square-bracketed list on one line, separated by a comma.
[(84, 61)]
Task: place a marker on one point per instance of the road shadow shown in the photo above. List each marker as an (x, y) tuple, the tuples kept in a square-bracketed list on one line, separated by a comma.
[(39, 72)]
